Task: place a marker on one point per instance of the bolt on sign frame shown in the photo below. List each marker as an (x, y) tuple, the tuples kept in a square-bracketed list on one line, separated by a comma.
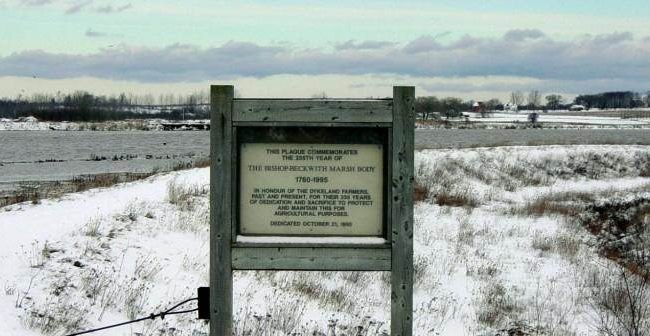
[(355, 126)]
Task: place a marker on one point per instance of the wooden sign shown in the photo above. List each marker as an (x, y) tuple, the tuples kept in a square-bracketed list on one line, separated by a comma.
[(311, 184)]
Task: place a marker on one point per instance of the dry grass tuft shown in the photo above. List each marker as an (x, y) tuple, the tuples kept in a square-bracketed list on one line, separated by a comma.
[(564, 244), (543, 206), (202, 162), (420, 193), (183, 195), (569, 204), (496, 304), (463, 199)]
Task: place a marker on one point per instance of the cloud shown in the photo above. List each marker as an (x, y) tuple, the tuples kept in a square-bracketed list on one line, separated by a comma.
[(363, 45), (109, 9), (613, 39), (77, 7), (422, 44), (35, 2), (466, 42), (588, 58), (518, 35), (92, 33)]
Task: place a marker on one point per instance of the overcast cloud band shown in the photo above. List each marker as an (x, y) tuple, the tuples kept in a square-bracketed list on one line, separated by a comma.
[(520, 53)]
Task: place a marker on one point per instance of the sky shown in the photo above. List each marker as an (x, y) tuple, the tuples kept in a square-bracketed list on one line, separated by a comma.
[(471, 49)]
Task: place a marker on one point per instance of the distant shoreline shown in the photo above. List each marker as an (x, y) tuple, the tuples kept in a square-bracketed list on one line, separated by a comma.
[(32, 124)]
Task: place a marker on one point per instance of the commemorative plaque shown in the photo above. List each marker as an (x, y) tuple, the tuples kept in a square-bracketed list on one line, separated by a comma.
[(311, 189)]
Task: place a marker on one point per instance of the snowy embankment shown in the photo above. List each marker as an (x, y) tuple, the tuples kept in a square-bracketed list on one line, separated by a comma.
[(86, 248), (486, 258)]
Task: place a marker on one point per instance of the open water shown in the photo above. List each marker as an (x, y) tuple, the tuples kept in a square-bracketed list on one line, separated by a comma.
[(60, 155)]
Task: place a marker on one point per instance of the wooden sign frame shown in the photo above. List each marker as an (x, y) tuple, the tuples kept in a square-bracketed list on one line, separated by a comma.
[(229, 116)]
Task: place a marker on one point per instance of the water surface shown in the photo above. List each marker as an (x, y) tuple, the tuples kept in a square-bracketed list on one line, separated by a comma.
[(60, 155)]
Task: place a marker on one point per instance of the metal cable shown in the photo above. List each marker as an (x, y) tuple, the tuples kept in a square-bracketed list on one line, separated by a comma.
[(150, 317)]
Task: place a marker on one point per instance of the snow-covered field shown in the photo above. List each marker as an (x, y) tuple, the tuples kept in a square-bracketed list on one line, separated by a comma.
[(487, 258), (496, 120), (558, 119), (545, 120), (33, 124)]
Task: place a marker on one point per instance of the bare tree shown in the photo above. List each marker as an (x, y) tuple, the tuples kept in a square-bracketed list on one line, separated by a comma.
[(534, 99), (492, 104), (122, 100), (148, 99), (170, 99), (517, 98)]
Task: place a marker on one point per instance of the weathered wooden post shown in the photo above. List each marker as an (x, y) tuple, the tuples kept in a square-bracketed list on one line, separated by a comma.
[(221, 98), (311, 184), (402, 215)]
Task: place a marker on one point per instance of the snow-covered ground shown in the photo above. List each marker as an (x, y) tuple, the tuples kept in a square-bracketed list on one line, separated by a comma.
[(493, 119), (483, 262), (552, 120), (559, 119), (33, 124)]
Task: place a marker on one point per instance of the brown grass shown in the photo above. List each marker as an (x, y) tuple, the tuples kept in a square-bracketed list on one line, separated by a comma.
[(20, 197), (202, 162), (615, 219), (446, 198), (49, 189), (568, 204), (85, 182), (420, 193), (543, 206)]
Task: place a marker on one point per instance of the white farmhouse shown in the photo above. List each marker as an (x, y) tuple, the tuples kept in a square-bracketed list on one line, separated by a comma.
[(510, 107)]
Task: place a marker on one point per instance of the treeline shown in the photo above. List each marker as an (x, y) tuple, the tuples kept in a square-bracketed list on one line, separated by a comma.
[(614, 100), (533, 100), (84, 106), (604, 100), (450, 107)]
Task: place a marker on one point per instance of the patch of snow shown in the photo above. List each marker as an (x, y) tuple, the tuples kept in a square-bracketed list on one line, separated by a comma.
[(132, 237)]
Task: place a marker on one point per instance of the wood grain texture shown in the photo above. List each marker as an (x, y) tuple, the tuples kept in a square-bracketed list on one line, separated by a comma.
[(319, 111), (221, 97), (402, 211), (311, 258)]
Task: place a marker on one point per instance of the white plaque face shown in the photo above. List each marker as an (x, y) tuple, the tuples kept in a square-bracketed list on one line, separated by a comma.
[(311, 189)]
